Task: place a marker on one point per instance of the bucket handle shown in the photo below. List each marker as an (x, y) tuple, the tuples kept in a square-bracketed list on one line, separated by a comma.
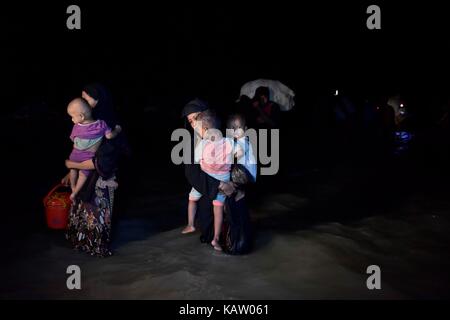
[(53, 190)]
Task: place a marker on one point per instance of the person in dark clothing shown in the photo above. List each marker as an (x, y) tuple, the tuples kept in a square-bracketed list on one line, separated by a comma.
[(100, 100), (190, 112), (244, 106), (236, 237), (386, 124), (268, 113)]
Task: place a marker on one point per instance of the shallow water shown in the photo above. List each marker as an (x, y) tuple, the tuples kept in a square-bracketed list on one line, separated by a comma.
[(316, 232), (321, 261)]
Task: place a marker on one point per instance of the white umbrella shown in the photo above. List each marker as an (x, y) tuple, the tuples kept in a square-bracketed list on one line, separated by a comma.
[(279, 93)]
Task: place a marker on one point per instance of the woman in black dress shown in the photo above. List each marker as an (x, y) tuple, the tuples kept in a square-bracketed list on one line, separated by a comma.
[(236, 237), (90, 216)]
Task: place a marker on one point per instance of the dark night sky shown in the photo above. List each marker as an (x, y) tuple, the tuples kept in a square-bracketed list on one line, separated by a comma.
[(211, 49)]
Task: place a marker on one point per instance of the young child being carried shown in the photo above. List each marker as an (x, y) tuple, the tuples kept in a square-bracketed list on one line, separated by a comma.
[(86, 135), (243, 150), (215, 153)]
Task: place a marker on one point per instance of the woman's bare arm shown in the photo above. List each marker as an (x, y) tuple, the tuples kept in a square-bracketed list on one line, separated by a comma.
[(85, 165)]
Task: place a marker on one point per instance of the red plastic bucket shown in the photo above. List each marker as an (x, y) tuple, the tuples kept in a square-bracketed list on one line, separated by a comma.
[(57, 206)]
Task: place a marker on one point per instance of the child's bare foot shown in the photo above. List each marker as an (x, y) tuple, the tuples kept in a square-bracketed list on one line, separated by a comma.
[(216, 245), (188, 229), (73, 196)]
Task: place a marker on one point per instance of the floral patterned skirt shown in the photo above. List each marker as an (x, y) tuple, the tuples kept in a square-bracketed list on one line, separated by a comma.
[(89, 226)]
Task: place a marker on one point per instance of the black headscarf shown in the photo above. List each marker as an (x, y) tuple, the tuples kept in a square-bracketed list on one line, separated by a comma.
[(196, 105), (104, 110)]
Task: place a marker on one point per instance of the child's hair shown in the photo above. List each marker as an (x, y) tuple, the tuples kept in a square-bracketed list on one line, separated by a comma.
[(208, 119), (83, 105), (234, 117), (210, 122)]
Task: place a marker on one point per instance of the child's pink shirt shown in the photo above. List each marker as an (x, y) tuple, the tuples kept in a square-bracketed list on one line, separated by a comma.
[(217, 156)]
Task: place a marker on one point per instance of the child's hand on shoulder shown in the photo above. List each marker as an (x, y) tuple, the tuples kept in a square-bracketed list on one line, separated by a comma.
[(239, 152)]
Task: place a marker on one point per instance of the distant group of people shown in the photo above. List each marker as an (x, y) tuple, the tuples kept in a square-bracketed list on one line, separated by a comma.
[(370, 121)]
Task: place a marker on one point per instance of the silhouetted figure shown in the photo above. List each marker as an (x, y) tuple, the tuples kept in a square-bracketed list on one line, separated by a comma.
[(385, 126), (267, 113), (244, 106), (101, 102)]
